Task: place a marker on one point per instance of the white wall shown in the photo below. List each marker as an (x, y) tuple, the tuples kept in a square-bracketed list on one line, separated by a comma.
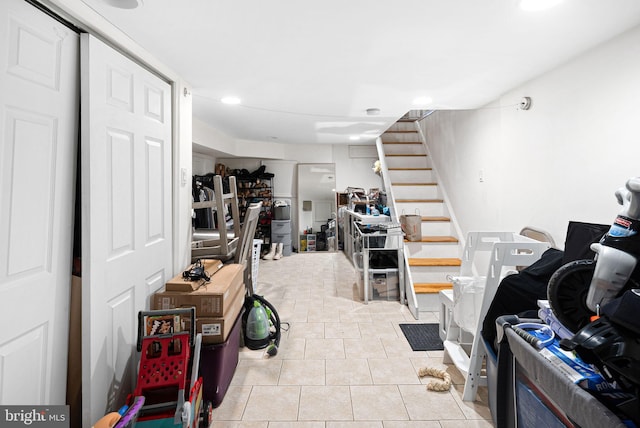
[(354, 172), (561, 160), (203, 163)]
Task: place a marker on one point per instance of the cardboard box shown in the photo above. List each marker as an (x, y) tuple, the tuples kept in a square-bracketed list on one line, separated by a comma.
[(212, 300), (216, 329), (179, 283)]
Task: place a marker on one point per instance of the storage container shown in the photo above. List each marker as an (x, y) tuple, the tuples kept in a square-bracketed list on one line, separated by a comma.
[(383, 284), (281, 226), (282, 213), (218, 364)]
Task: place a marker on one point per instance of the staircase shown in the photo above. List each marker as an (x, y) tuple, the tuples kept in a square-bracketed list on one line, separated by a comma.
[(413, 186)]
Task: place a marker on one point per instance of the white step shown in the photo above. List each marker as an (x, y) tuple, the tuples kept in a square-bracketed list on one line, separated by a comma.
[(433, 273), (437, 228), (416, 192), (400, 126), (404, 148), (428, 302), (412, 176), (400, 137), (408, 161), (424, 208), (425, 250)]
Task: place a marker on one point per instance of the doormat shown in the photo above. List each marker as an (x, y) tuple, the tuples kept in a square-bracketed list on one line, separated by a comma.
[(423, 337)]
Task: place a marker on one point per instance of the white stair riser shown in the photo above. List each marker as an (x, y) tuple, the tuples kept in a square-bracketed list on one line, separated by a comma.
[(420, 250), (428, 302), (437, 228), (416, 192), (408, 162), (400, 126), (424, 208), (400, 137), (404, 149), (433, 273), (420, 176)]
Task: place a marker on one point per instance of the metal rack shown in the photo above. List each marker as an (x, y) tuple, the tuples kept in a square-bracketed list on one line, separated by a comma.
[(365, 234)]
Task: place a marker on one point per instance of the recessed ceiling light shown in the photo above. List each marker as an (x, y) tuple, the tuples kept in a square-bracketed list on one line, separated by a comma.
[(230, 100), (354, 137), (420, 101), (532, 5), (123, 4)]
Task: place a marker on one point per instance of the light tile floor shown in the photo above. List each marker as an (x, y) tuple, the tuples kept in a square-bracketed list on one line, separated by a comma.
[(341, 363)]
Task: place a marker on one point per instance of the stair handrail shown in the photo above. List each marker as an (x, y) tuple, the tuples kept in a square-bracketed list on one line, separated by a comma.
[(395, 217)]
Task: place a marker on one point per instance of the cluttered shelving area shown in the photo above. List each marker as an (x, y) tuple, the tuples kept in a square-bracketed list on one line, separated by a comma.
[(220, 202)]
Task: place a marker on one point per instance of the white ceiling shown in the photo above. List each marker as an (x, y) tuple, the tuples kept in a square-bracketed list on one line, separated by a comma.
[(307, 71)]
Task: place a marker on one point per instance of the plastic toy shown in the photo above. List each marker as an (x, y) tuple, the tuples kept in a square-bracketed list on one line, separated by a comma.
[(579, 289), (168, 372)]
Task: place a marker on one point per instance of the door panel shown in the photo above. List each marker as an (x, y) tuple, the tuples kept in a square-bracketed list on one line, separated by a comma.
[(38, 140), (126, 194)]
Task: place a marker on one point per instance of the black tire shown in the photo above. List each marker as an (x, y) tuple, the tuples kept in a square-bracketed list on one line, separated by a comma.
[(206, 414), (567, 293)]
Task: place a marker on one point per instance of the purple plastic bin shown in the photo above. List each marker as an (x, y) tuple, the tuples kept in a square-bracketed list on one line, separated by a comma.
[(218, 364)]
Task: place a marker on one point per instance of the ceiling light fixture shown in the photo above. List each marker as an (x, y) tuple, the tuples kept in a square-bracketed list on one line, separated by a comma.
[(354, 137), (230, 100), (123, 4), (533, 5), (422, 101)]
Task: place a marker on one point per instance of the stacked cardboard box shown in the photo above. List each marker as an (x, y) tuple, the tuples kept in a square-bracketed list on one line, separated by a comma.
[(218, 302)]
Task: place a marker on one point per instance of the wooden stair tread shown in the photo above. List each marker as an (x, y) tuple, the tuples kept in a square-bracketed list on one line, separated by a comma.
[(402, 142), (432, 261), (419, 200), (435, 218), (436, 239), (406, 155), (431, 287), (400, 131), (414, 184)]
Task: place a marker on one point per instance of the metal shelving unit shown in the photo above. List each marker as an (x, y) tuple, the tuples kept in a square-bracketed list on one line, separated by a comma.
[(366, 234)]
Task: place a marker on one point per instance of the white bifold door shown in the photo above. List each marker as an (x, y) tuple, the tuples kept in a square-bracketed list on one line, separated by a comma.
[(38, 142), (126, 215)]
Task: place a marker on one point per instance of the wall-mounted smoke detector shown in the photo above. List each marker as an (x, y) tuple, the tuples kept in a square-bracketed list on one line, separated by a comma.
[(525, 103)]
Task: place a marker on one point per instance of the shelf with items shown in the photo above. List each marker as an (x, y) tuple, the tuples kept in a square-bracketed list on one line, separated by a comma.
[(252, 190), (311, 242), (375, 246)]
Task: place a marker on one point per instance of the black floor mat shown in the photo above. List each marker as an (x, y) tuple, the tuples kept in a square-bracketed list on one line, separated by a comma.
[(423, 337)]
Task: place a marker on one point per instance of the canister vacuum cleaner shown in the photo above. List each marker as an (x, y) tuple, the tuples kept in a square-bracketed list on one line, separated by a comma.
[(261, 325)]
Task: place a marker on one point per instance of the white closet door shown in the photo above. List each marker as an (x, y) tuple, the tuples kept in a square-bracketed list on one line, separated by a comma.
[(38, 141), (126, 216)]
